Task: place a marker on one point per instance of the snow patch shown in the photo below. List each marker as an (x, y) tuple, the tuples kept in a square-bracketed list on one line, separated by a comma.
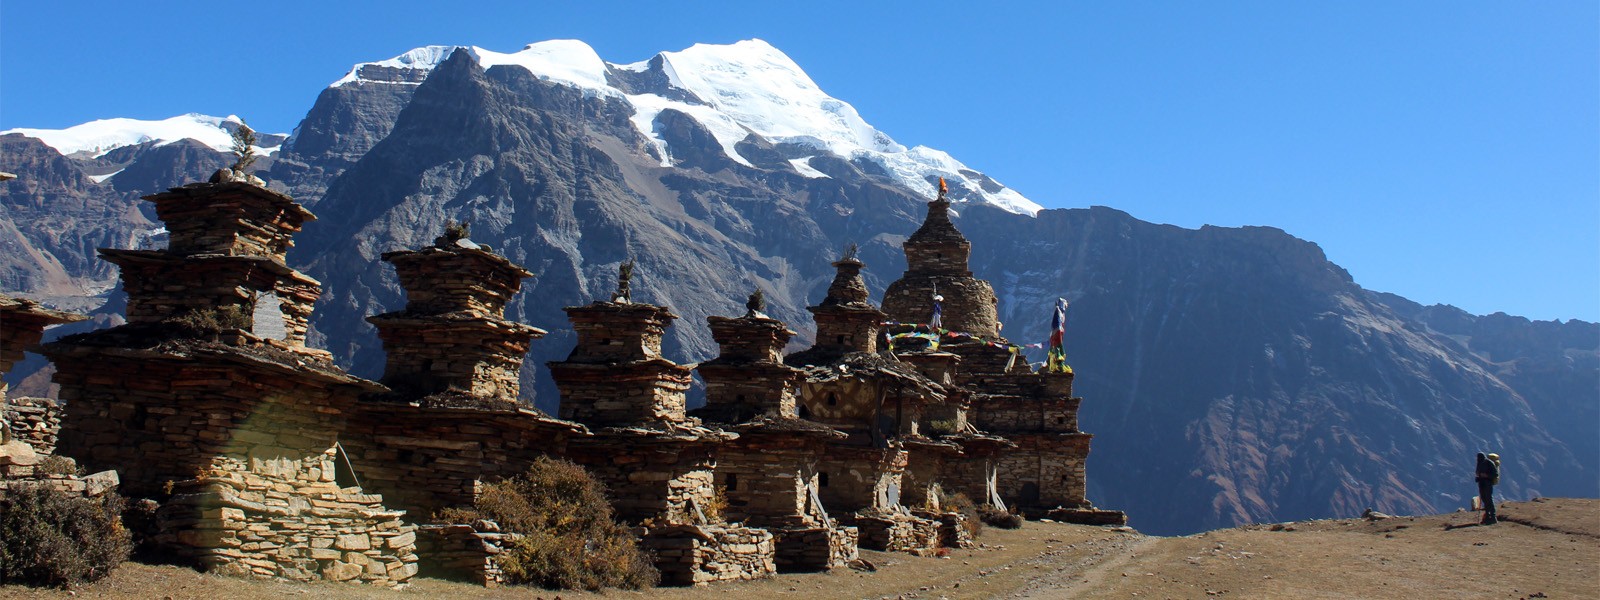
[(422, 59), (805, 168), (99, 137), (103, 178)]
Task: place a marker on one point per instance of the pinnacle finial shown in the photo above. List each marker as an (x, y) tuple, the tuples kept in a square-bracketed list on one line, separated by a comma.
[(943, 188), (624, 277)]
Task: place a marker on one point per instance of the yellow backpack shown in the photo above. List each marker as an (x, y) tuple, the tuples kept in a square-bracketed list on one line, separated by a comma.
[(1494, 458)]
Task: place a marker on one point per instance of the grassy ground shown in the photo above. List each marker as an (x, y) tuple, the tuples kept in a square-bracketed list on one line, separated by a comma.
[(1549, 547)]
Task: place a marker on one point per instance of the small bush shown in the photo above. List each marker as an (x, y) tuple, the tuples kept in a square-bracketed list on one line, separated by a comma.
[(211, 320), (52, 538), (717, 508), (56, 464), (569, 538), (942, 426), (999, 518), (960, 503)]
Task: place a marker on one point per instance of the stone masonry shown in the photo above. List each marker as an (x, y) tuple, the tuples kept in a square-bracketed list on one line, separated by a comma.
[(657, 462), (768, 475), (1017, 430), (29, 426), (209, 403)]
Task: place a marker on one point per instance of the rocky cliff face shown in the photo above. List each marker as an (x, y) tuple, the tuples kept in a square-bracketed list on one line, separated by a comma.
[(53, 219), (1230, 374), (1236, 375)]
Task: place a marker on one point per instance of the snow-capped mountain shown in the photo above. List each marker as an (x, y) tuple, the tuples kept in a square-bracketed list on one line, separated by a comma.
[(733, 91), (95, 138)]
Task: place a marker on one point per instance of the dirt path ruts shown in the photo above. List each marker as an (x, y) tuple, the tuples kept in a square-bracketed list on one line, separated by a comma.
[(1094, 562)]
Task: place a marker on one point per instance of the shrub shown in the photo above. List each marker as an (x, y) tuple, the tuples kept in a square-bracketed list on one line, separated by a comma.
[(51, 538), (569, 538), (211, 320), (942, 426), (56, 464), (960, 503), (999, 518)]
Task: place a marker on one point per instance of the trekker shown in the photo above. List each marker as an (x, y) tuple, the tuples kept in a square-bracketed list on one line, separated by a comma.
[(1488, 474)]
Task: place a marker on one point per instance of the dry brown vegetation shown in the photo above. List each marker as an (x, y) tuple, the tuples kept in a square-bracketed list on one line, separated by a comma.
[(1549, 547)]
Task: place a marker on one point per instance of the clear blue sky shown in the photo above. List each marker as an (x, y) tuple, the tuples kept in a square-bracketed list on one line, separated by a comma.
[(1445, 151)]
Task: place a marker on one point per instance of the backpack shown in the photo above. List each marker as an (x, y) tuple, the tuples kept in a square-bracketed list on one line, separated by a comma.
[(1494, 459)]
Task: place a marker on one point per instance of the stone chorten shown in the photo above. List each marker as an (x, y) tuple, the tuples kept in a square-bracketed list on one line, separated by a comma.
[(748, 379), (22, 324), (616, 376), (657, 462), (769, 474), (453, 338), (846, 321), (208, 402), (224, 261), (936, 264)]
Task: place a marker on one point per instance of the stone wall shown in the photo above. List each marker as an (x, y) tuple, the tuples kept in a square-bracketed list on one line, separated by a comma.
[(1006, 415), (1045, 471), (286, 518), (464, 552), (767, 478), (952, 527), (897, 532), (651, 476), (622, 394), (855, 478), (36, 421), (158, 417), (689, 554), (425, 459), (802, 549), (21, 465)]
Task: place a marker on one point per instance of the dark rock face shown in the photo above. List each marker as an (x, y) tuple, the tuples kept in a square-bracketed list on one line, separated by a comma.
[(52, 217), (1234, 375), (161, 167), (1554, 366), (1229, 374), (343, 124)]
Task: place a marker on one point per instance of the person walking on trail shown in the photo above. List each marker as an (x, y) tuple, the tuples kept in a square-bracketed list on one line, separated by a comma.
[(1488, 474)]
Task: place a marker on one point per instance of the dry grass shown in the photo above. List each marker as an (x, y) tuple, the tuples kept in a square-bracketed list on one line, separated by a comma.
[(1550, 547)]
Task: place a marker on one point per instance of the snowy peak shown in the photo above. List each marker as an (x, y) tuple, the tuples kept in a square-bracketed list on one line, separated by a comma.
[(568, 62), (96, 138), (733, 90)]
